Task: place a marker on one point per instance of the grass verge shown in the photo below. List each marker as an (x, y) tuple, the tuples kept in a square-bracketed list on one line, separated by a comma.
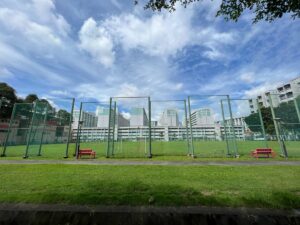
[(259, 186)]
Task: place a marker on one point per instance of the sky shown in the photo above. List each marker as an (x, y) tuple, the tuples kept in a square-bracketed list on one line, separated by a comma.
[(95, 49)]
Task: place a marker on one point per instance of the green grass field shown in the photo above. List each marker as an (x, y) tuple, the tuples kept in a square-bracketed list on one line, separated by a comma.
[(250, 186), (175, 150)]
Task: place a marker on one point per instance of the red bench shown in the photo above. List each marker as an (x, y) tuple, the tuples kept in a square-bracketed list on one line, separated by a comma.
[(86, 151), (263, 152)]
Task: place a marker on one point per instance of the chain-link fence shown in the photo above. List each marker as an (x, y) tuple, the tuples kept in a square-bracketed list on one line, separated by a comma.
[(130, 122), (16, 136), (54, 128), (248, 122), (42, 128), (170, 132), (211, 126), (91, 123), (285, 110)]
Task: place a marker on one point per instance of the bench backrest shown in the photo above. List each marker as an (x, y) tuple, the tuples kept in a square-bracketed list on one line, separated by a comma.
[(85, 150), (264, 150)]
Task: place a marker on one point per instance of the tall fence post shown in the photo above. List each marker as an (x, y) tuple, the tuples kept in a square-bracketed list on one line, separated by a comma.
[(186, 128), (78, 132), (191, 128), (70, 129), (9, 130), (43, 131), (232, 125), (114, 127), (150, 131), (30, 131), (225, 128), (262, 123), (109, 124)]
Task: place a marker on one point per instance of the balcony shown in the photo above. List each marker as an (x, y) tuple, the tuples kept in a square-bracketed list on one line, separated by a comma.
[(287, 87), (280, 89)]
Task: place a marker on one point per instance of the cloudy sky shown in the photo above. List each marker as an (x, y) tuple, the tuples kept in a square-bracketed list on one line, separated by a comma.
[(95, 49)]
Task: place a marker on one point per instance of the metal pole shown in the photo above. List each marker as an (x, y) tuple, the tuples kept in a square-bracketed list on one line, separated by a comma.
[(232, 124), (30, 131), (109, 123), (150, 131), (114, 127), (191, 130), (276, 125), (225, 128), (70, 129), (262, 123), (44, 126), (9, 130), (78, 132), (297, 109), (186, 127)]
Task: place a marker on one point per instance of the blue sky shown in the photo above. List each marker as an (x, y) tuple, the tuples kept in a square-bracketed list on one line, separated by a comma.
[(112, 48)]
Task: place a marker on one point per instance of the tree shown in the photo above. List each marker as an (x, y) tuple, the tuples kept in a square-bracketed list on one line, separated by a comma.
[(64, 117), (8, 96), (31, 98), (268, 10), (267, 121)]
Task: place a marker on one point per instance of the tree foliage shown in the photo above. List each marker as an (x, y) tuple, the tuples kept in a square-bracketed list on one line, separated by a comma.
[(9, 98), (31, 98), (286, 112), (268, 10)]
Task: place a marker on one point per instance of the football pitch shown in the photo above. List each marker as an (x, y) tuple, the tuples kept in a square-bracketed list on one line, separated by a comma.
[(161, 150)]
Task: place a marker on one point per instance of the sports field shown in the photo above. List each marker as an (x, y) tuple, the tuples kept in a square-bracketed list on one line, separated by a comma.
[(270, 186), (172, 150), (250, 186)]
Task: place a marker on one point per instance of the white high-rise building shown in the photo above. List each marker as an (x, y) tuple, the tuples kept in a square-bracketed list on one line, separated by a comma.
[(103, 118), (202, 117), (138, 117), (283, 93), (289, 90), (89, 119), (169, 118)]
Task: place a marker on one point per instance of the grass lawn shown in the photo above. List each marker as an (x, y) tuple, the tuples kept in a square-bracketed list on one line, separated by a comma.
[(173, 150), (251, 186)]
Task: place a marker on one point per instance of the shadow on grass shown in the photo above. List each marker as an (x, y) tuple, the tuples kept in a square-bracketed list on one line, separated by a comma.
[(139, 193)]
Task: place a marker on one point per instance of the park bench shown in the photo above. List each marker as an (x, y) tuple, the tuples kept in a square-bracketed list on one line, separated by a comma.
[(86, 151), (263, 152)]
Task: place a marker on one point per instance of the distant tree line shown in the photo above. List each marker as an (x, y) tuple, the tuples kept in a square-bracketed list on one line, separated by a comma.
[(8, 98)]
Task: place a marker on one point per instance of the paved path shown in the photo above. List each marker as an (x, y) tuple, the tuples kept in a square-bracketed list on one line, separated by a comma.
[(160, 163)]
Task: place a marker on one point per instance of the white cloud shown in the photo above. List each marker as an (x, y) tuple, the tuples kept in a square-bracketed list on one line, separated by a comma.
[(163, 35), (128, 90), (16, 21), (126, 115), (247, 77), (96, 41), (5, 73), (60, 93)]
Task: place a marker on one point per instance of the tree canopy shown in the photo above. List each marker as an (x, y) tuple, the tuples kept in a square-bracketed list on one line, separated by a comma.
[(9, 98), (268, 10), (31, 98)]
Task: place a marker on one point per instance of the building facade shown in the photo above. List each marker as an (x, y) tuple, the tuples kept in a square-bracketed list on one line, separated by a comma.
[(138, 117), (283, 93), (89, 119), (169, 117), (202, 117)]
